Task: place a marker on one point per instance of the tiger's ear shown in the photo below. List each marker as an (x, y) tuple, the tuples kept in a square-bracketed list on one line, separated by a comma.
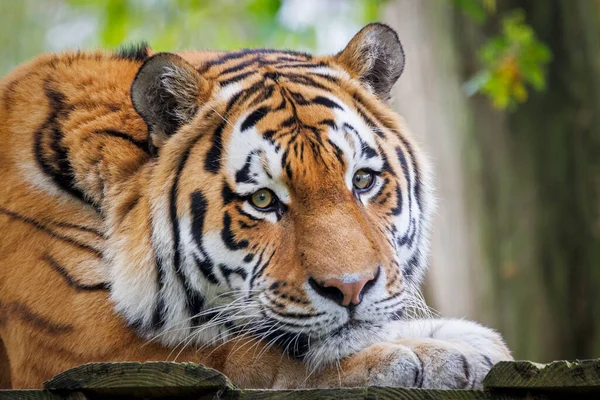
[(375, 56), (166, 93)]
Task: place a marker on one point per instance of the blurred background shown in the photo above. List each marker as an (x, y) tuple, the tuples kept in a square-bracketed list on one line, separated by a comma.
[(504, 95)]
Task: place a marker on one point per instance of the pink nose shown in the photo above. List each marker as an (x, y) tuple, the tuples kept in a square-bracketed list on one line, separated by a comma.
[(344, 293), (352, 292)]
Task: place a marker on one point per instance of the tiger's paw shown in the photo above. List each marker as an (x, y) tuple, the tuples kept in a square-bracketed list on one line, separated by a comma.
[(454, 354), (384, 364), (418, 363), (447, 365)]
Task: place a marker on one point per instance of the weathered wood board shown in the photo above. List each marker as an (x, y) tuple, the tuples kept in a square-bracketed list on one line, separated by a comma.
[(146, 379), (556, 375), (507, 380)]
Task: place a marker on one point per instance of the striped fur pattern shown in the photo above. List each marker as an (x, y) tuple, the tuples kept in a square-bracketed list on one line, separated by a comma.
[(130, 230)]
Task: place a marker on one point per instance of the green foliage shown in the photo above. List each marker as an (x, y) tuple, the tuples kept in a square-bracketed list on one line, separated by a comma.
[(511, 61), (180, 24), (476, 9), (223, 24), (30, 27)]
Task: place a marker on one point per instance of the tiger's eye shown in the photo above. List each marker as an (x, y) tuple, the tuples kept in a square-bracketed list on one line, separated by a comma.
[(362, 179), (262, 199)]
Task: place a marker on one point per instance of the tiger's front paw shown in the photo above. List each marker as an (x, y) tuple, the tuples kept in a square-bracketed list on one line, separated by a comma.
[(454, 354), (448, 365), (384, 364), (420, 363)]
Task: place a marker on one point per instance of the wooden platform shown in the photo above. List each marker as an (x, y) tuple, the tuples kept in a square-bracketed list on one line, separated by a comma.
[(154, 380)]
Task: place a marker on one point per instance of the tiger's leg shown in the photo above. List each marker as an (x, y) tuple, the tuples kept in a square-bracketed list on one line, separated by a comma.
[(428, 353)]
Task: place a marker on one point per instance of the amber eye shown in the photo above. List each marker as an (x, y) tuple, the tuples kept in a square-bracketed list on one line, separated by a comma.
[(363, 180), (263, 199)]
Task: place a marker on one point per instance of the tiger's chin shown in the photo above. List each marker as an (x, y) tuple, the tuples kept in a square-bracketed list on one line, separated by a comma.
[(344, 341)]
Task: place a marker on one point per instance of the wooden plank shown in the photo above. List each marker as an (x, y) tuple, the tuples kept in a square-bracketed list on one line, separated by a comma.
[(507, 380), (151, 378), (556, 375), (29, 395), (371, 393), (375, 393)]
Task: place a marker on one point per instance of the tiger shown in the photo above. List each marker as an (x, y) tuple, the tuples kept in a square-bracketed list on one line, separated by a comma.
[(261, 212)]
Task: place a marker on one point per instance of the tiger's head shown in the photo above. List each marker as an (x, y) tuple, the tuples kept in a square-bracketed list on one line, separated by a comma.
[(287, 201)]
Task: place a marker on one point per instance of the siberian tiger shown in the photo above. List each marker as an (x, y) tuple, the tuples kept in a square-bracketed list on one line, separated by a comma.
[(262, 212)]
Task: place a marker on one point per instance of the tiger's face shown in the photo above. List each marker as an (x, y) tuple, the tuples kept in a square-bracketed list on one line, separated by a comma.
[(287, 201)]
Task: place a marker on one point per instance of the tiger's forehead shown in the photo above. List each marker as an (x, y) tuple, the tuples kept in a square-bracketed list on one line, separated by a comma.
[(298, 138), (228, 67)]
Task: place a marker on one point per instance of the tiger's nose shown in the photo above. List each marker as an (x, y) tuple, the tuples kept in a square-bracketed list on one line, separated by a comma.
[(344, 293)]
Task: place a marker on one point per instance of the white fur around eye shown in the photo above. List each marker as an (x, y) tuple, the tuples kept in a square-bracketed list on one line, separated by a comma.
[(365, 197), (267, 216)]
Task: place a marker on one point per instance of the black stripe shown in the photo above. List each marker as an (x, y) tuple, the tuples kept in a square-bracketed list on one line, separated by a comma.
[(247, 52), (140, 144), (327, 77), (229, 195), (254, 117), (236, 78), (289, 122), (159, 317), (397, 209), (226, 271), (23, 312), (69, 280), (417, 182), (76, 226), (50, 232), (194, 300), (244, 95), (324, 101), (290, 63), (381, 192), (365, 149), (238, 67), (199, 205), (228, 236), (212, 162), (300, 316), (259, 269), (299, 98), (245, 214), (329, 122), (411, 265), (195, 303), (265, 94), (58, 166), (466, 370), (206, 267), (286, 165), (369, 121), (234, 99), (296, 345), (339, 154), (306, 81), (243, 175), (288, 59), (420, 375)]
